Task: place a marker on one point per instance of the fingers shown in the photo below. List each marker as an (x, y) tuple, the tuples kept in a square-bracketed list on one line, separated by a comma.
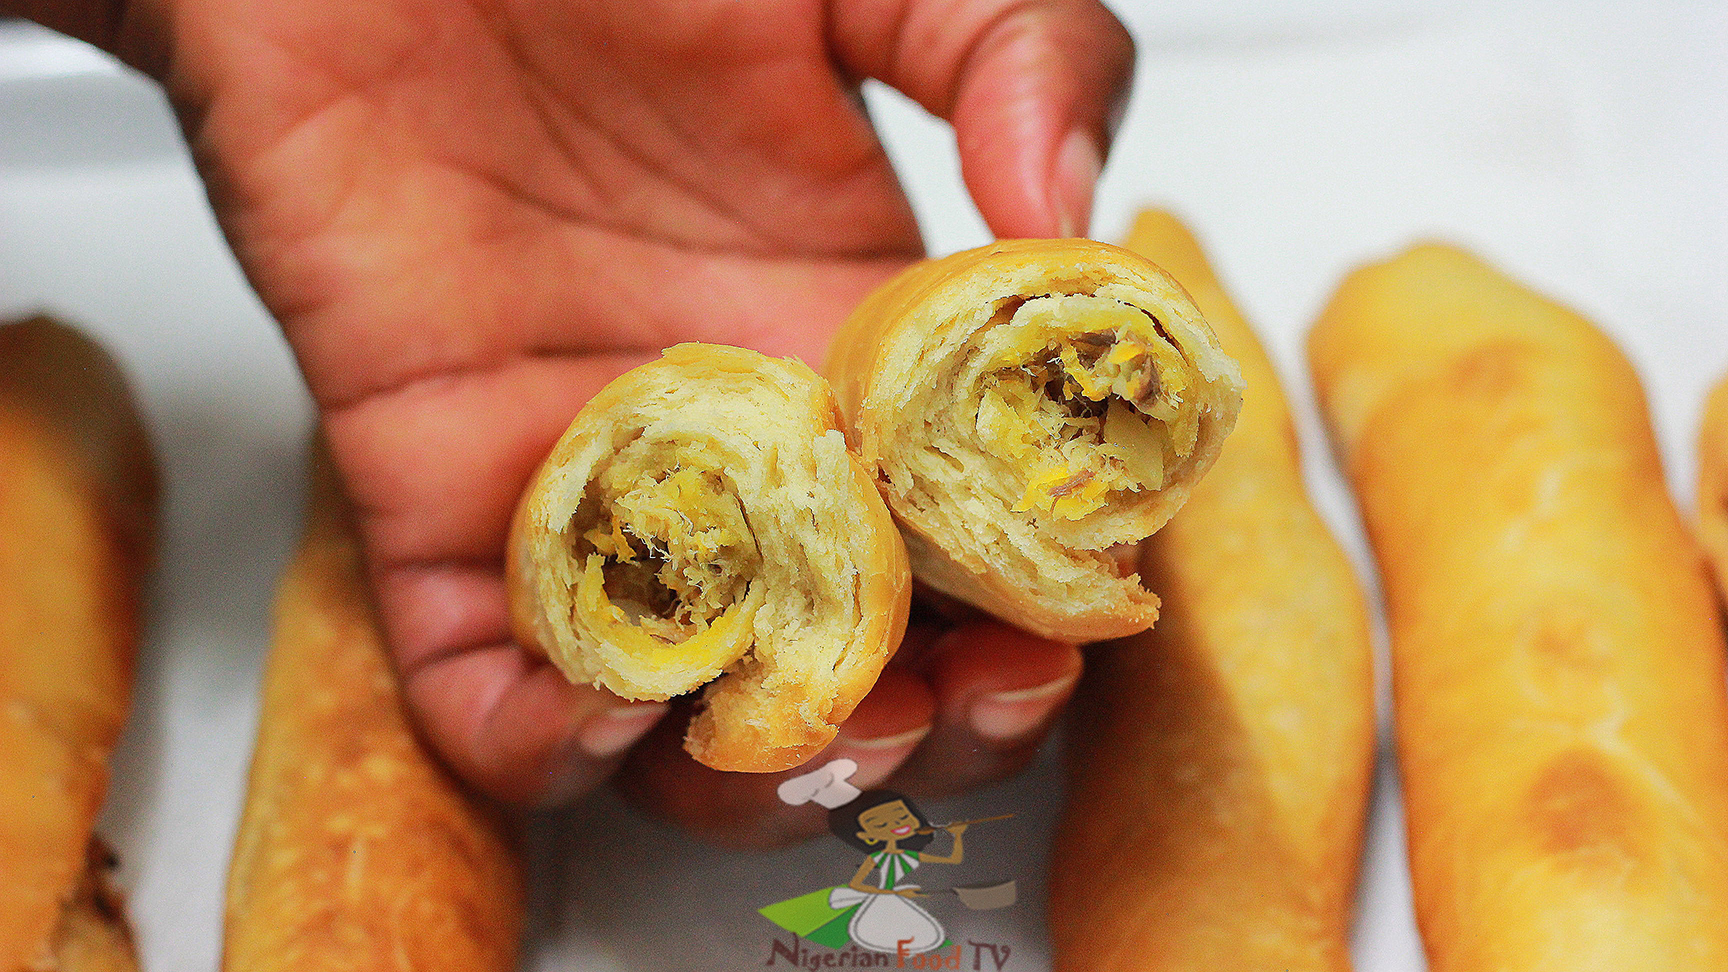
[(505, 719), (958, 709), (998, 691), (744, 809), (515, 727), (1034, 89)]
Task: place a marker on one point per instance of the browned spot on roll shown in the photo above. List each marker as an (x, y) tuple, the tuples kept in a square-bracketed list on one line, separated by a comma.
[(1567, 634), (1493, 370), (1579, 808)]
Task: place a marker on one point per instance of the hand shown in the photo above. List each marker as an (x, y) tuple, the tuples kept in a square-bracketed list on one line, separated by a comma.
[(956, 829), (469, 216)]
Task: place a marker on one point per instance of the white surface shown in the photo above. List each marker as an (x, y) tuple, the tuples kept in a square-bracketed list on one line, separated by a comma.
[(1581, 147)]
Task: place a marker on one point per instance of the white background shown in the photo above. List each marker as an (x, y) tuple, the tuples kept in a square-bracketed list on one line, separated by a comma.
[(1583, 147)]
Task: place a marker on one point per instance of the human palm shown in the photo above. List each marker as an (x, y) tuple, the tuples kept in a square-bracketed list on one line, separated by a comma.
[(468, 216)]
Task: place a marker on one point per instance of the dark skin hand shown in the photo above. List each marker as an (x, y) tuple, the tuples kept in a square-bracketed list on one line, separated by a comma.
[(469, 215)]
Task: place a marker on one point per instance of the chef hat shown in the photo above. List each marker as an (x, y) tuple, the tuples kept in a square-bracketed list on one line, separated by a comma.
[(826, 786)]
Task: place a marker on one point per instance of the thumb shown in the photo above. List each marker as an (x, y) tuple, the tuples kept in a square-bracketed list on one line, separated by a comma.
[(1033, 88)]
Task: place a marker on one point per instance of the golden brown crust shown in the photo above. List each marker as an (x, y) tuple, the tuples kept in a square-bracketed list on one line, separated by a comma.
[(69, 384), (357, 849), (1557, 656), (1713, 483), (77, 511), (712, 495), (1219, 764), (914, 368)]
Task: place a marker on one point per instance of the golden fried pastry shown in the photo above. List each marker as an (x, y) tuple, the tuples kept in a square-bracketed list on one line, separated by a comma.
[(1027, 406), (1219, 763), (1713, 482), (77, 525), (357, 849), (1557, 656), (702, 523)]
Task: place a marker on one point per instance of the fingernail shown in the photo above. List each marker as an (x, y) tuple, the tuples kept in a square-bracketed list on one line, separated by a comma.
[(1002, 716), (1078, 166), (615, 730), (878, 758)]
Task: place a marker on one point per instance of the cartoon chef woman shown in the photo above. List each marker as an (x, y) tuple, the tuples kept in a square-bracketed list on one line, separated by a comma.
[(891, 832)]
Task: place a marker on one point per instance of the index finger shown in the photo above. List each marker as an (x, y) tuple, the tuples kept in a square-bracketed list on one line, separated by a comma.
[(1034, 90)]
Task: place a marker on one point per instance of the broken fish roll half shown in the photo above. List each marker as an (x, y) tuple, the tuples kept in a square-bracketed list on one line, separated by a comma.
[(1027, 406), (702, 523)]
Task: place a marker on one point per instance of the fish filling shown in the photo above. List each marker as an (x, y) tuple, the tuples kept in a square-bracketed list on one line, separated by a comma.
[(668, 555), (1084, 397)]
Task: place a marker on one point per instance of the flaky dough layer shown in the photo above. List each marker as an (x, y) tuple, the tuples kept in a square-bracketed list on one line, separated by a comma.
[(702, 523), (1027, 406)]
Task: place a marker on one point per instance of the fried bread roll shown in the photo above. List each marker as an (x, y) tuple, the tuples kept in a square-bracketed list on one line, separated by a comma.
[(357, 849), (702, 523), (77, 526), (1557, 657), (1219, 763), (1713, 483), (1024, 408)]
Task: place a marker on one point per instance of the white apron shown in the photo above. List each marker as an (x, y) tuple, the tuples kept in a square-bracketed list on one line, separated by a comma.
[(889, 922)]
